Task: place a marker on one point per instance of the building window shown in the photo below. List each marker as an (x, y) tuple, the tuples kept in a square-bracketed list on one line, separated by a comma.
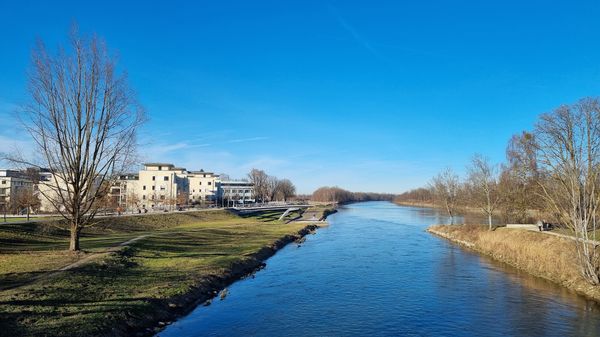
[(166, 178), (153, 178), (144, 187), (162, 197), (209, 183), (162, 188), (200, 183), (144, 197), (153, 188), (159, 168), (3, 182)]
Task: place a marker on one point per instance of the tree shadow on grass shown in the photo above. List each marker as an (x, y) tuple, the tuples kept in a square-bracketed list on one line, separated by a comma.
[(14, 280)]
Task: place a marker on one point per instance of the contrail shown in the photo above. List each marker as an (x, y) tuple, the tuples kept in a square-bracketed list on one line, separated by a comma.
[(357, 37)]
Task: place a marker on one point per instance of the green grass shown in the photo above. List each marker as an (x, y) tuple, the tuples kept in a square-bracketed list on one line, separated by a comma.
[(24, 218), (180, 252)]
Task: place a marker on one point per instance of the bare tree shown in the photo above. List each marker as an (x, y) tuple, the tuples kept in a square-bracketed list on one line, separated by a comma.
[(181, 199), (105, 202), (483, 186), (569, 152), (284, 189), (27, 199), (446, 187), (521, 154), (4, 205), (260, 179), (518, 181), (132, 200), (83, 117), (272, 182)]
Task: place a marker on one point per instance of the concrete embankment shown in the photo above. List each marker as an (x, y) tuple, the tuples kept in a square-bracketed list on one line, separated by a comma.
[(550, 257)]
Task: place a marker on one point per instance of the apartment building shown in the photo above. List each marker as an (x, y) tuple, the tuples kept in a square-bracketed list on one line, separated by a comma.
[(12, 182), (162, 186), (156, 186), (202, 187), (124, 191)]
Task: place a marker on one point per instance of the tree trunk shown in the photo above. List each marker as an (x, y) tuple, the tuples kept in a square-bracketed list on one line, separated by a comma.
[(28, 213), (490, 220), (74, 242)]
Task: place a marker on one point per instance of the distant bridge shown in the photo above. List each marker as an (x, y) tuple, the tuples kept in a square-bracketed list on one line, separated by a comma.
[(287, 209)]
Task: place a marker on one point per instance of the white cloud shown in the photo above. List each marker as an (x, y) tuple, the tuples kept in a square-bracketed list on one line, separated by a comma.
[(245, 140)]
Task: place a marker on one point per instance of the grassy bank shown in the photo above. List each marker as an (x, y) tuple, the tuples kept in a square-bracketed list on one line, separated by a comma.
[(546, 256), (416, 204), (181, 259)]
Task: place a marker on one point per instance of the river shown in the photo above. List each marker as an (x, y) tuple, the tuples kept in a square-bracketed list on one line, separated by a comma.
[(376, 272)]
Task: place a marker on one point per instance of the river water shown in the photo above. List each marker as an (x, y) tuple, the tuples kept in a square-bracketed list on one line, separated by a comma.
[(376, 272)]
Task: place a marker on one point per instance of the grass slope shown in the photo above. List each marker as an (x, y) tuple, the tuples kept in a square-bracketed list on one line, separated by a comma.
[(181, 253)]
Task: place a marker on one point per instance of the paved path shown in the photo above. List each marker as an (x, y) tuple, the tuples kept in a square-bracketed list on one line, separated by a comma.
[(570, 237), (78, 263), (93, 256), (40, 218)]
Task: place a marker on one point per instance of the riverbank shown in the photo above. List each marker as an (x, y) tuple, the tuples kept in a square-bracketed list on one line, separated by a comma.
[(416, 204), (546, 256), (172, 263)]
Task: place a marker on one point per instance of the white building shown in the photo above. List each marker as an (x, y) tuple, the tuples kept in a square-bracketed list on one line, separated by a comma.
[(155, 187), (202, 187), (162, 186), (11, 183), (235, 192)]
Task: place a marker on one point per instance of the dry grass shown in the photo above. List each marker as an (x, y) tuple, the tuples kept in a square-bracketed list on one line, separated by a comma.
[(546, 256)]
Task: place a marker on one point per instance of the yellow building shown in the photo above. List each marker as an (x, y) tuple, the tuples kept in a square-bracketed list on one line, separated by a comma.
[(202, 187), (162, 186)]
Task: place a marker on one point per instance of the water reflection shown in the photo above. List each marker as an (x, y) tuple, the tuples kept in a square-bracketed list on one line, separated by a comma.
[(376, 272)]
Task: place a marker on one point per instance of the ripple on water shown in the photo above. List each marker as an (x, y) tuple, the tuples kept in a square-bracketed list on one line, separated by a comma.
[(375, 272)]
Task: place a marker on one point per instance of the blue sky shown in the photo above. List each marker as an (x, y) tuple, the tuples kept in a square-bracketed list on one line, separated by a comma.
[(367, 95)]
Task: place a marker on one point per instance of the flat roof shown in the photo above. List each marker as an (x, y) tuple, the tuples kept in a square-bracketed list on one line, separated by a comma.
[(159, 164), (12, 173), (247, 183), (201, 172)]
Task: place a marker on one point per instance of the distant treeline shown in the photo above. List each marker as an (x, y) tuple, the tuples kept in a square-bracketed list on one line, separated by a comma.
[(340, 195), (417, 195)]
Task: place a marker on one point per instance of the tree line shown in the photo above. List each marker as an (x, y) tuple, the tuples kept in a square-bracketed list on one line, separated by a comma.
[(270, 188), (340, 195), (551, 173)]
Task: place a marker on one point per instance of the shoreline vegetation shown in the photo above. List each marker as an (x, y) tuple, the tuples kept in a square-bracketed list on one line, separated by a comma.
[(464, 211), (173, 263), (550, 176), (547, 256)]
